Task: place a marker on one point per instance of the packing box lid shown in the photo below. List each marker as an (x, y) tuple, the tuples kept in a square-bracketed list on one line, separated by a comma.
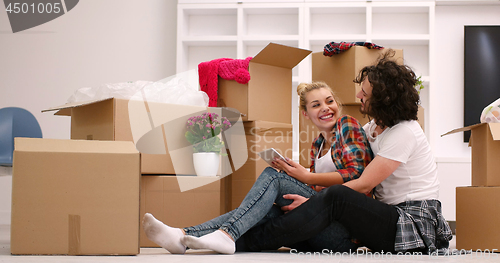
[(280, 56), (494, 129), (75, 146), (65, 109)]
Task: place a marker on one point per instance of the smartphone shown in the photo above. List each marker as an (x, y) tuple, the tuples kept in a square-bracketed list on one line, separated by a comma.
[(269, 155)]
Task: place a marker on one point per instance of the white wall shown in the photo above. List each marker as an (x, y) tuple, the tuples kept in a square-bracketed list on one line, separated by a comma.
[(97, 42), (452, 154)]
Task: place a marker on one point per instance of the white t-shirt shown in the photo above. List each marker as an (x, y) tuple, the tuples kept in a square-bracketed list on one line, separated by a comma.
[(324, 164), (416, 176)]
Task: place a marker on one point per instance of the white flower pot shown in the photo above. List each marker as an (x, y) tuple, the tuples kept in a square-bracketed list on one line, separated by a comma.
[(206, 163)]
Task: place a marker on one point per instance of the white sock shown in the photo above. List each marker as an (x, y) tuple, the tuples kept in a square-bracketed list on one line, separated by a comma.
[(216, 241), (167, 237)]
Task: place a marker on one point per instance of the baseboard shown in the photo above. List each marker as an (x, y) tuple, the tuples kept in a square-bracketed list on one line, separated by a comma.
[(4, 217)]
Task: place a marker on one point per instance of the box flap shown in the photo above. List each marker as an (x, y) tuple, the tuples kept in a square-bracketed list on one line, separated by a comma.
[(66, 108), (267, 125), (70, 146), (495, 131), (468, 128), (280, 56)]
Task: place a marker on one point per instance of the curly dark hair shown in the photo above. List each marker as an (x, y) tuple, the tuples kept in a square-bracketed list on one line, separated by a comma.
[(394, 97)]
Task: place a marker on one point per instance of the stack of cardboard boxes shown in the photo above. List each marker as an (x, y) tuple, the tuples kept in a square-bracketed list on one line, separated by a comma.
[(87, 195), (266, 105), (478, 211), (160, 194)]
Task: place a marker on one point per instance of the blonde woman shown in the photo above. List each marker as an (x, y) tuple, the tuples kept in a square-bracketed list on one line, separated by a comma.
[(338, 155)]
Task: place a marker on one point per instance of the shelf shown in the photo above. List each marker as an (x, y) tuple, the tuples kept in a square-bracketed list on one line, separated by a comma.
[(335, 20), (400, 20), (270, 21), (238, 30), (209, 22), (209, 40)]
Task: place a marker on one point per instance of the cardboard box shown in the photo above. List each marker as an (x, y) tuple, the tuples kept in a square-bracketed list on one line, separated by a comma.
[(270, 87), (161, 196), (113, 119), (308, 132), (260, 135), (478, 214), (75, 197), (339, 71), (485, 143)]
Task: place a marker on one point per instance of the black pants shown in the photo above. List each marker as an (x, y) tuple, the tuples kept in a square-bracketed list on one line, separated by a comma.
[(368, 220)]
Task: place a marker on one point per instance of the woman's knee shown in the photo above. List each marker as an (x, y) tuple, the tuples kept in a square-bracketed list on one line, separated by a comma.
[(337, 192)]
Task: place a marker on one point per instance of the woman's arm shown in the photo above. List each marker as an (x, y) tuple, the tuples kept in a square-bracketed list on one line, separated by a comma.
[(376, 172), (300, 173)]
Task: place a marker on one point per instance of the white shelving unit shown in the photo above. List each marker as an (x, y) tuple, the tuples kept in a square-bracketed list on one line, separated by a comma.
[(238, 30)]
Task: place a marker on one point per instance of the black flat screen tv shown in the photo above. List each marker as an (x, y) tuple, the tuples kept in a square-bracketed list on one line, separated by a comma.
[(481, 71)]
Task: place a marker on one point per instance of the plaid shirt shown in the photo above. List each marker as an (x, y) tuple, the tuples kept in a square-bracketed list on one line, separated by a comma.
[(333, 48), (351, 150), (421, 225)]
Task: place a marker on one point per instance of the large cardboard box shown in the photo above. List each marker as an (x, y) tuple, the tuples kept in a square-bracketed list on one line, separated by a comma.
[(485, 143), (129, 120), (268, 94), (339, 71), (161, 197), (260, 135), (308, 132), (478, 214), (75, 197)]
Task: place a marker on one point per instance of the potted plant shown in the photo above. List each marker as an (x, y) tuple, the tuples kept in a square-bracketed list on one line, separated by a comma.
[(203, 133)]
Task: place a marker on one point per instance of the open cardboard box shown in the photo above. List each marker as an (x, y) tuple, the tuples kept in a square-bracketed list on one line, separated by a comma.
[(339, 70), (485, 143), (157, 129), (75, 197), (268, 94)]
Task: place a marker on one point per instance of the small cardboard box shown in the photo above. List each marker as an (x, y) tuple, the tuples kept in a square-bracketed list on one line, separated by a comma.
[(128, 120), (485, 143), (75, 197), (268, 94), (339, 70), (478, 214), (161, 197), (260, 135)]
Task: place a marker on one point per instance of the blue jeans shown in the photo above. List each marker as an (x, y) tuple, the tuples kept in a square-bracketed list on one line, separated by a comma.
[(257, 208)]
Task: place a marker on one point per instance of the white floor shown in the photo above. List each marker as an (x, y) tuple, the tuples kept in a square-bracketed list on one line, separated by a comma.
[(160, 255)]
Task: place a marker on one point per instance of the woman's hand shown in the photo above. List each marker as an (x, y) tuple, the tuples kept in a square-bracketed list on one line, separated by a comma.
[(294, 170), (297, 200)]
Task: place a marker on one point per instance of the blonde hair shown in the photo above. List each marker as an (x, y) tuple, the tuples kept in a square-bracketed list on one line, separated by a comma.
[(304, 88)]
